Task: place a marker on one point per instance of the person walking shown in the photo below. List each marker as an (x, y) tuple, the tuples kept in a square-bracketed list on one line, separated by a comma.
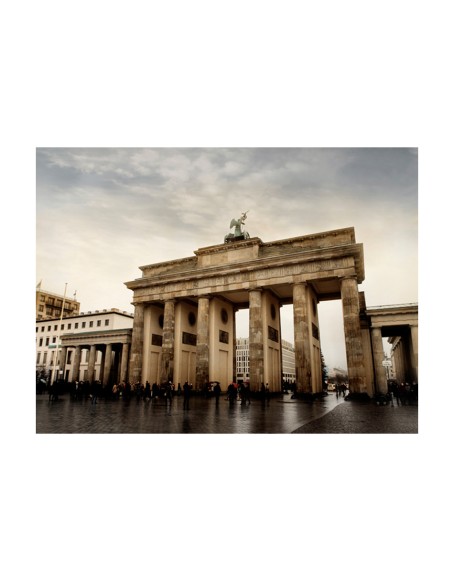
[(168, 397), (217, 392), (186, 395)]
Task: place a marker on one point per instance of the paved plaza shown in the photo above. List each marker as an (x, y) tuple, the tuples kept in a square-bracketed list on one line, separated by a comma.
[(280, 414)]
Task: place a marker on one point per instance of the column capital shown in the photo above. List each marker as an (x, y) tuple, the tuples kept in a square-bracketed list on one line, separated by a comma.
[(348, 277)]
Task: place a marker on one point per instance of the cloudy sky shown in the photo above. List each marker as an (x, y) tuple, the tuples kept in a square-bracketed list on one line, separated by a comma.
[(102, 213)]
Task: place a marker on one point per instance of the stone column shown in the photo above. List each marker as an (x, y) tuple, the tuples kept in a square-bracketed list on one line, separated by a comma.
[(107, 365), (303, 370), (352, 330), (123, 374), (168, 342), (136, 358), (234, 346), (91, 364), (414, 351), (256, 359), (202, 356), (76, 365), (399, 369), (62, 363), (381, 385)]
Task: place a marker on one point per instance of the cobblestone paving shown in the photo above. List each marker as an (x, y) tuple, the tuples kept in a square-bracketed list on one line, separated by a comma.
[(280, 415), (355, 417)]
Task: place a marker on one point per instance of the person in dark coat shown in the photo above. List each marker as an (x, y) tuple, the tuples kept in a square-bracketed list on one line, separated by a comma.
[(186, 395), (217, 392)]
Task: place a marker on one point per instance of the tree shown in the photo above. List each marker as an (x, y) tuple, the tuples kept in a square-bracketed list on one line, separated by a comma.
[(324, 371)]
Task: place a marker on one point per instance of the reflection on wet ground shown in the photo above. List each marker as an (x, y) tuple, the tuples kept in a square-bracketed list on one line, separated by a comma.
[(279, 415)]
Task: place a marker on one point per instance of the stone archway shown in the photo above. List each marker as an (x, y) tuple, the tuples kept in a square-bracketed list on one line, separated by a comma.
[(261, 276)]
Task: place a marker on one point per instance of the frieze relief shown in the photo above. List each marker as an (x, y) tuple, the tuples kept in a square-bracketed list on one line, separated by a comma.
[(240, 280)]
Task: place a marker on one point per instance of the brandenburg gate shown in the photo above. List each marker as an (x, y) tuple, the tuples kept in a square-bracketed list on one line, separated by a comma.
[(184, 320)]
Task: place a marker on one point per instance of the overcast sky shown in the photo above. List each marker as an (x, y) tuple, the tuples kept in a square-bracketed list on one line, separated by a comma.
[(102, 213)]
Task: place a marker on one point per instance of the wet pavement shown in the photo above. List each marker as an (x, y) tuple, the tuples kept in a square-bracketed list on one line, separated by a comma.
[(281, 415)]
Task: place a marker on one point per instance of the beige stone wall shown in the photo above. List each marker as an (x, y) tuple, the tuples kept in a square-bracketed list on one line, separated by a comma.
[(151, 351), (221, 353), (314, 334), (272, 364), (185, 353)]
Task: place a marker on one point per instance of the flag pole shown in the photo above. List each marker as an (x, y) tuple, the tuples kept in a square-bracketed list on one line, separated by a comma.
[(58, 335)]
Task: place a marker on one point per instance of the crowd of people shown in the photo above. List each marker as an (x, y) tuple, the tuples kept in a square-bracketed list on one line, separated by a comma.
[(84, 390), (403, 393)]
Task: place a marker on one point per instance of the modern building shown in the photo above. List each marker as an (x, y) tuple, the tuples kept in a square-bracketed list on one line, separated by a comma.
[(242, 360), (49, 305), (90, 346)]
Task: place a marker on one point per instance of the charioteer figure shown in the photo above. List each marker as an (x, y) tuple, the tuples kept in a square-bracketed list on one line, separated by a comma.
[(240, 233)]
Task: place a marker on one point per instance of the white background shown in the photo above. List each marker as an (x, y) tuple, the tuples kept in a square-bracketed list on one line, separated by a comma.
[(261, 507)]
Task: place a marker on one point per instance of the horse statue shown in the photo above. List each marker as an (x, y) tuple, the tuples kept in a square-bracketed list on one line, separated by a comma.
[(239, 234)]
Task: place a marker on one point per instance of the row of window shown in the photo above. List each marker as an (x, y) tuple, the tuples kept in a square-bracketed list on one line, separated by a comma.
[(76, 325)]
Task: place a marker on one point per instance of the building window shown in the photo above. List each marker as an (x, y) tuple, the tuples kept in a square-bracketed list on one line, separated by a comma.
[(40, 342), (223, 336), (55, 327), (37, 330), (69, 326), (91, 324), (54, 340), (68, 360), (62, 326), (76, 325), (106, 322), (41, 308), (48, 328), (42, 329), (189, 339), (38, 357), (98, 323), (47, 341), (45, 358), (83, 324)]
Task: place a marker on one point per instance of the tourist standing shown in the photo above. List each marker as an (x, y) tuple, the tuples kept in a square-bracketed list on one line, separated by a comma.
[(186, 395)]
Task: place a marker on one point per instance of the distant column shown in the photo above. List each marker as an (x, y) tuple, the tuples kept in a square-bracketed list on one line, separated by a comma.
[(136, 358), (202, 358), (91, 364), (303, 375), (256, 362), (414, 351), (76, 365), (62, 363), (168, 342), (381, 386), (107, 365), (123, 373), (352, 331), (234, 347)]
